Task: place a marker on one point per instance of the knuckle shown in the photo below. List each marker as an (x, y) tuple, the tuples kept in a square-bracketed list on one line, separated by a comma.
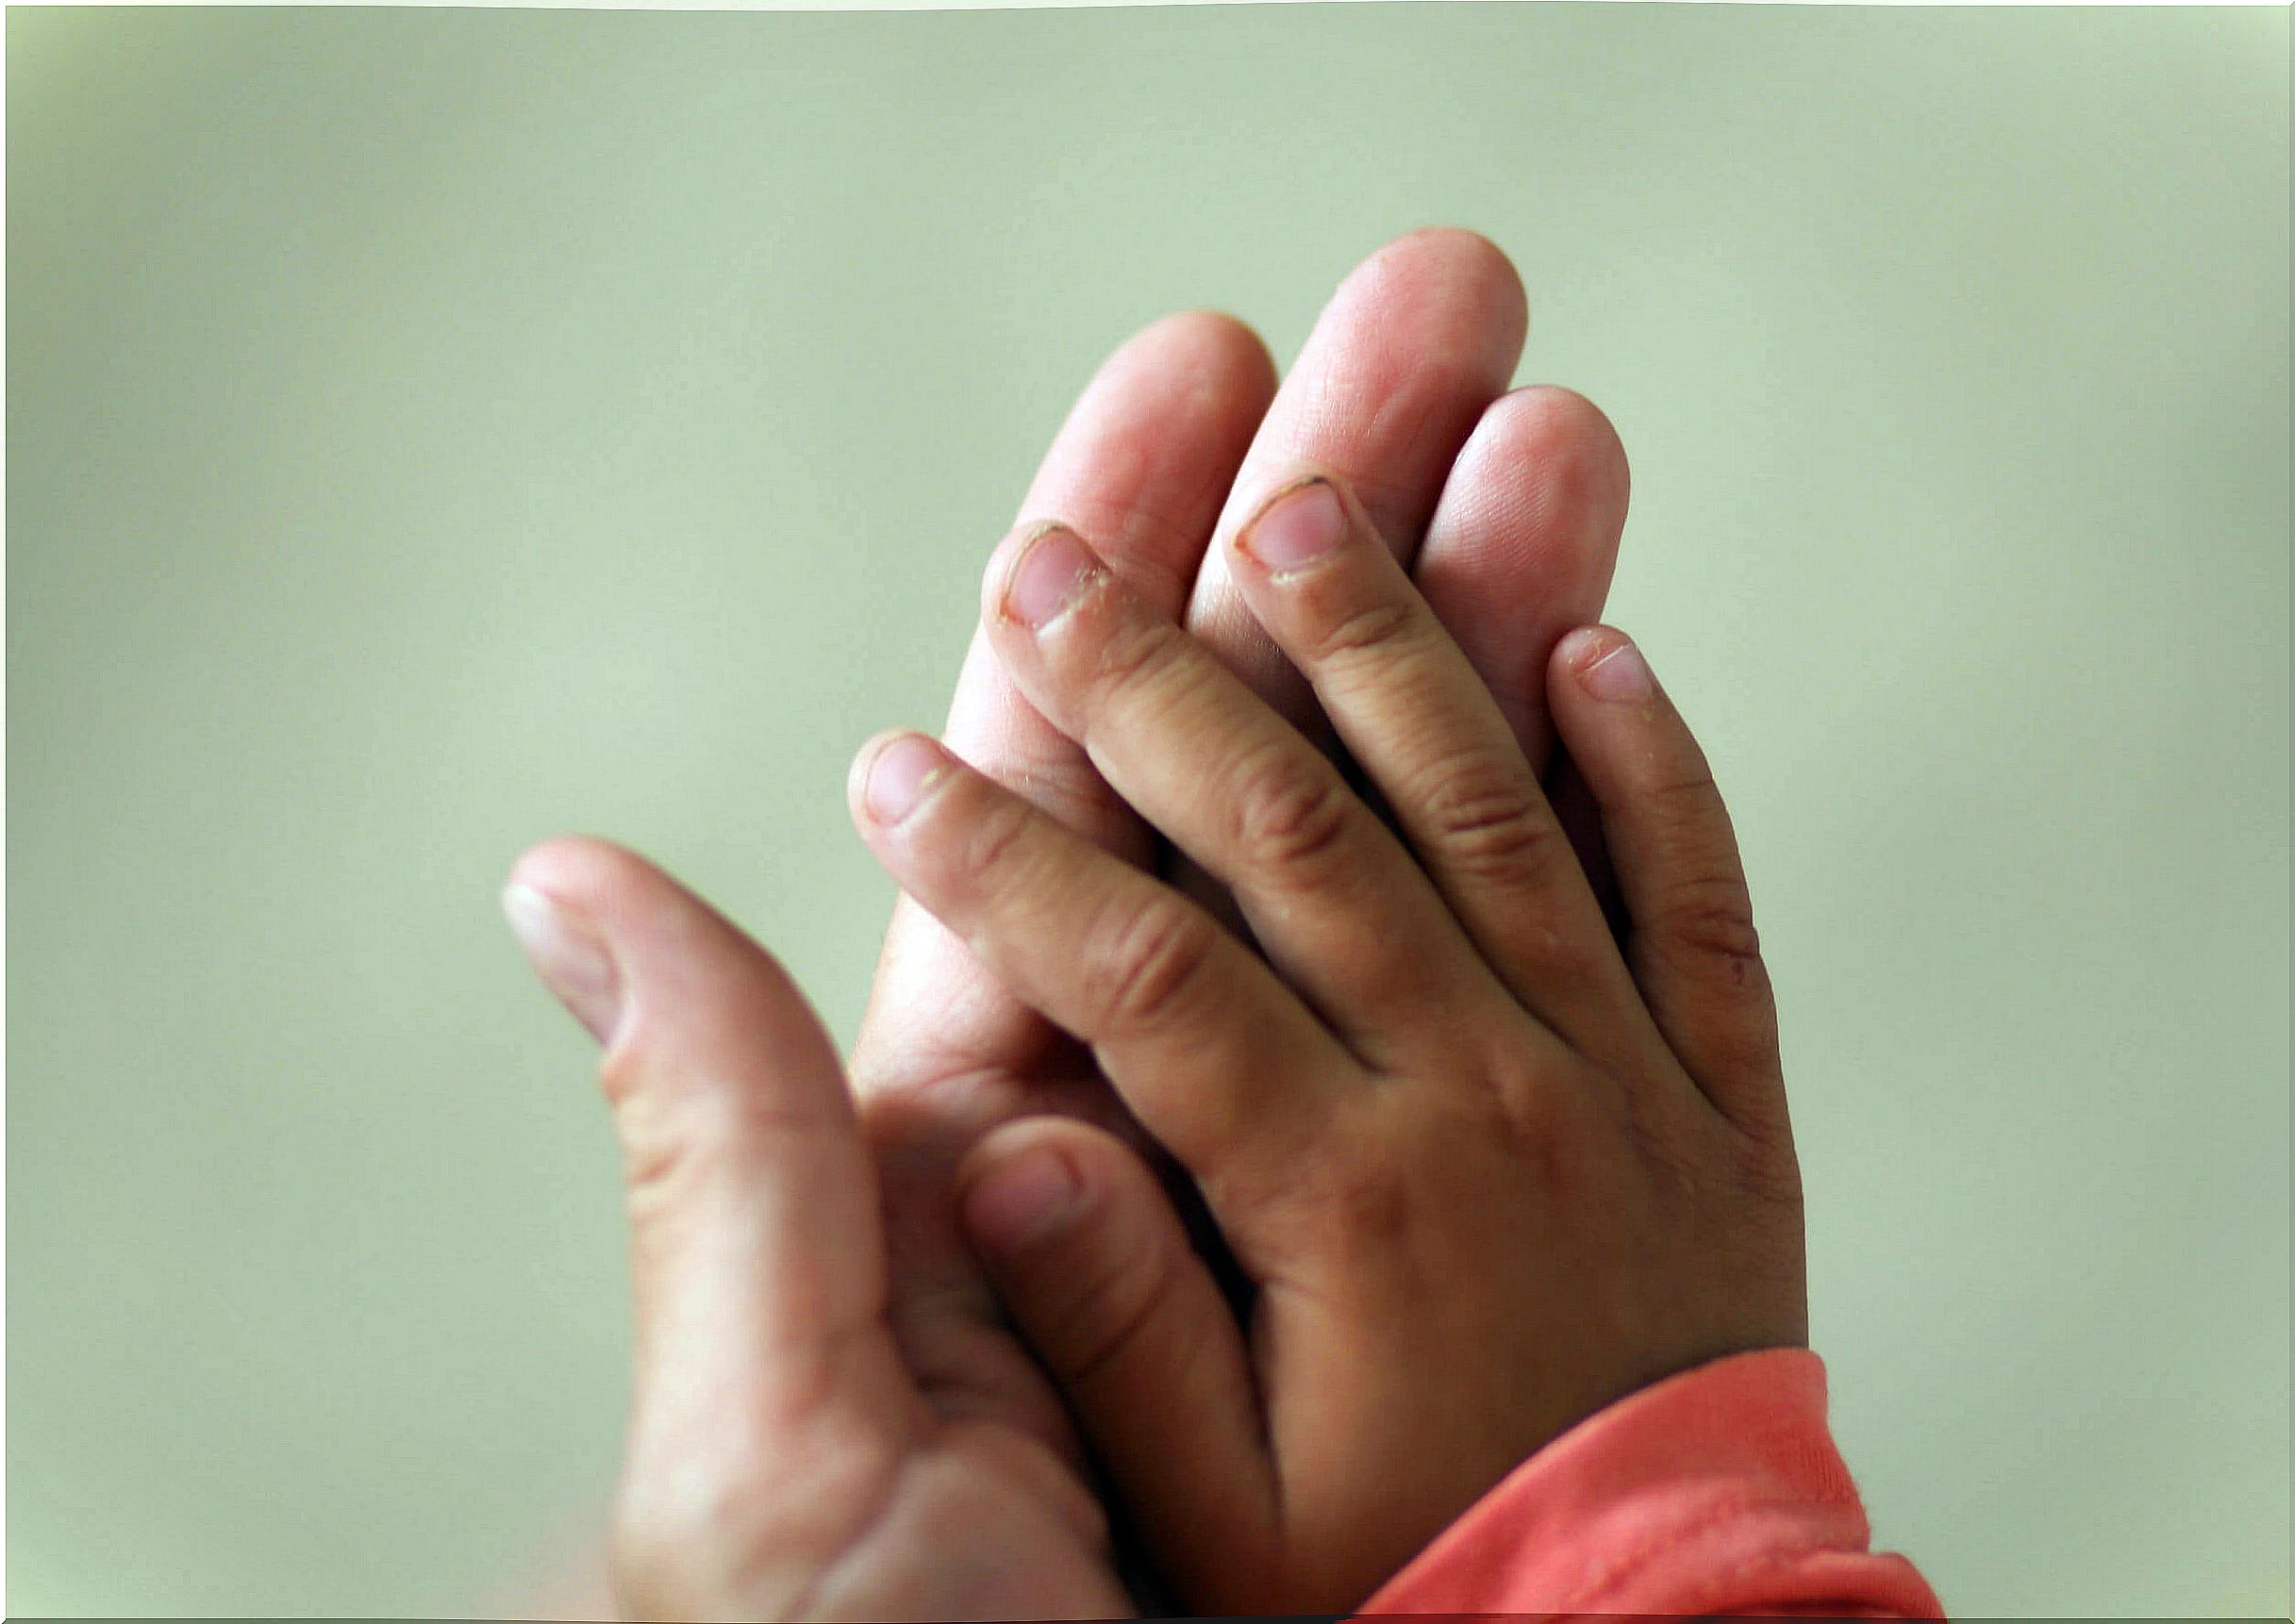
[(1138, 652), (1709, 922), (669, 1141), (653, 1157), (1491, 824), (994, 830), (1542, 1121), (1690, 797), (622, 1069), (1287, 816), (1148, 965), (1356, 1202), (1366, 1214), (1374, 630)]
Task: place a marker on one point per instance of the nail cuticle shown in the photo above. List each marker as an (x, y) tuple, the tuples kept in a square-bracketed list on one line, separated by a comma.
[(1296, 532), (1053, 572), (893, 789)]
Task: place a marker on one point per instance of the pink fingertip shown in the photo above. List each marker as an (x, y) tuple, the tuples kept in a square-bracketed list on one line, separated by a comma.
[(1619, 675), (900, 774)]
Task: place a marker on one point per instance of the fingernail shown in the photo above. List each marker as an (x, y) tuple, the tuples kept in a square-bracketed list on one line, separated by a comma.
[(899, 776), (568, 956), (1052, 571), (1620, 674), (1299, 527), (1023, 1202)]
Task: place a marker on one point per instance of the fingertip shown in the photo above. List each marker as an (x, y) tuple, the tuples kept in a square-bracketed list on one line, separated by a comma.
[(856, 772), (1467, 260), (891, 774), (1006, 600), (1578, 649), (1580, 460), (1227, 350), (582, 869), (1450, 295), (1031, 1182), (1594, 668), (1303, 519), (1019, 1201), (1609, 668), (553, 905)]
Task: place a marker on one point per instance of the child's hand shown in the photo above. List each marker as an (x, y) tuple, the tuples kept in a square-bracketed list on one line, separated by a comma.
[(1488, 1173)]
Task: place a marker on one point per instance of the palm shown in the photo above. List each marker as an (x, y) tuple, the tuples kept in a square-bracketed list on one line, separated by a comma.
[(974, 1521)]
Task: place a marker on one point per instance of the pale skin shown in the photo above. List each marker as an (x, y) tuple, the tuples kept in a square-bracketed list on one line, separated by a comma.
[(832, 1415)]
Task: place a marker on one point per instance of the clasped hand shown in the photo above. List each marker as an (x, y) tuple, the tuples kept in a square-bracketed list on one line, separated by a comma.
[(1475, 1068)]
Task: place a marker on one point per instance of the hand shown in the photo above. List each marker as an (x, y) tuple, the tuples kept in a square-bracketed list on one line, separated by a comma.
[(1508, 506), (781, 1461), (1488, 1173), (834, 1495)]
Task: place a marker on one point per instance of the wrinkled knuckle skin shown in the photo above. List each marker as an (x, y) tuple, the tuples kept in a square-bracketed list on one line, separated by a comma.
[(1770, 1173), (1135, 652), (1709, 924), (1492, 828), (1372, 631), (1692, 801), (989, 832), (674, 1141), (621, 1070), (654, 1153), (1738, 1055), (1149, 966), (1288, 818)]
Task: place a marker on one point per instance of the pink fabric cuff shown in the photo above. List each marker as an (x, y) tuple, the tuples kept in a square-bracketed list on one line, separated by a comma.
[(1717, 1490)]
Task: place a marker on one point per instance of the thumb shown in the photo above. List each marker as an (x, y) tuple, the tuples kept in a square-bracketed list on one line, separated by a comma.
[(1095, 1268), (756, 1258)]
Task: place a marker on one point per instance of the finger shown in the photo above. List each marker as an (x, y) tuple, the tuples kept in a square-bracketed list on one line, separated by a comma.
[(1336, 902), (1412, 347), (1094, 1267), (1418, 720), (1166, 998), (1146, 456), (1691, 941), (1523, 544), (757, 1261)]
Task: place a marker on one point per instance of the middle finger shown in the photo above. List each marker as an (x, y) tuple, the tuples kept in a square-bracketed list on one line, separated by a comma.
[(1434, 742)]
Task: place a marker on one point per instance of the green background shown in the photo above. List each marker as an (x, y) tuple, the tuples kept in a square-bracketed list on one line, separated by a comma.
[(429, 430)]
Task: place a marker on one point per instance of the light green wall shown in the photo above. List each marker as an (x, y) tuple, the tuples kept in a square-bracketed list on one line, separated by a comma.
[(432, 429)]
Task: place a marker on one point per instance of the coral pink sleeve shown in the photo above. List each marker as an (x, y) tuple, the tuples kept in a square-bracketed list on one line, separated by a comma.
[(1717, 1490)]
